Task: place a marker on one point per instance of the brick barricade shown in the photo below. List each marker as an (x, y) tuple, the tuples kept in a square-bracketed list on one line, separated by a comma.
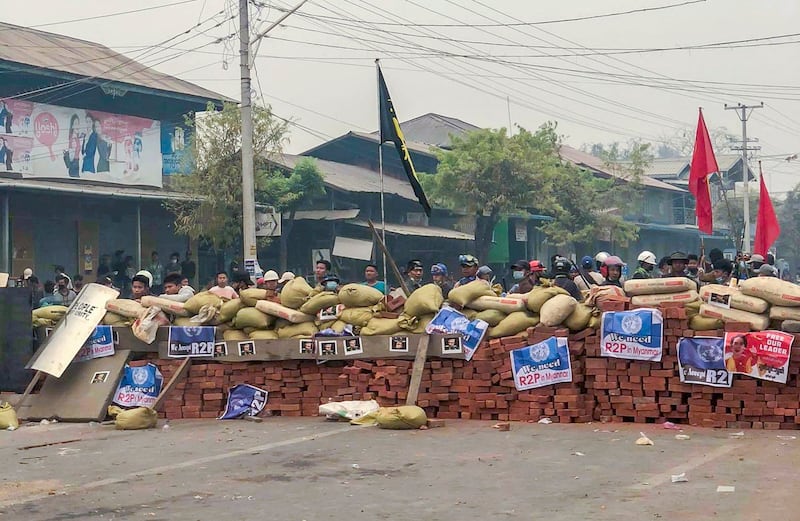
[(604, 389)]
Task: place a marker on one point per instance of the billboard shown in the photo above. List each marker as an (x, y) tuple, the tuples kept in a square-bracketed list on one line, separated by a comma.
[(175, 148), (50, 142)]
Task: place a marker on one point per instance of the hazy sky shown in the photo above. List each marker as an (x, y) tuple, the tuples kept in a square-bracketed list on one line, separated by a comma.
[(318, 67)]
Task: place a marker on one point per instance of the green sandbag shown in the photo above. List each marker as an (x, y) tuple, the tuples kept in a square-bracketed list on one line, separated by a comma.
[(359, 295), (183, 322), (540, 294), (692, 308), (490, 316), (319, 301), (302, 330), (425, 300), (594, 322), (250, 296), (260, 334), (235, 335), (230, 308), (381, 326), (112, 319), (203, 298), (472, 314), (251, 317), (465, 294), (294, 293), (8, 417), (135, 419), (513, 324), (579, 319), (403, 417), (701, 323), (357, 316)]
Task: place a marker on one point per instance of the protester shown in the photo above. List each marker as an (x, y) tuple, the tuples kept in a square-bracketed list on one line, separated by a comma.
[(469, 269), (188, 267), (222, 289), (330, 283), (36, 291), (560, 272), (241, 281), (269, 282), (77, 283), (321, 269), (285, 277), (175, 290), (721, 271), (414, 271), (49, 298), (766, 271), (693, 267), (173, 266), (64, 296), (753, 264), (663, 267), (371, 278), (439, 277), (104, 268), (107, 282), (485, 273), (613, 268), (647, 262), (140, 286), (157, 271), (589, 270)]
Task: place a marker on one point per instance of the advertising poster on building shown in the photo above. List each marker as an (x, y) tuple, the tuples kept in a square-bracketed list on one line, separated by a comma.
[(760, 354), (701, 360), (634, 335), (541, 364), (175, 151), (50, 142)]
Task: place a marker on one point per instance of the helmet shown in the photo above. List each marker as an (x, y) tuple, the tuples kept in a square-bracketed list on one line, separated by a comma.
[(678, 256), (586, 262), (613, 260), (467, 260), (647, 256), (536, 266), (414, 264), (485, 271), (561, 266), (601, 256), (439, 269)]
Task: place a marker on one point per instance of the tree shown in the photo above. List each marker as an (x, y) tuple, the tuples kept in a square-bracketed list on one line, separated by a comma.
[(489, 174), (730, 214), (289, 193), (681, 143), (213, 207), (788, 244)]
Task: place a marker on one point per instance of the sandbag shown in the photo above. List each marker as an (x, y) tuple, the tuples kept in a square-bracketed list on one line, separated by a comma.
[(557, 309), (8, 417), (594, 322), (784, 313), (335, 325), (635, 287), (773, 290), (50, 312), (540, 294), (402, 417), (302, 330), (701, 323), (359, 295), (260, 334), (319, 301), (657, 298), (359, 317), (252, 317), (294, 293), (381, 326), (470, 313), (465, 294), (183, 322), (504, 304), (425, 300), (201, 299), (513, 324), (757, 322), (579, 319), (738, 299), (229, 309), (286, 313), (167, 306), (250, 296), (692, 308), (601, 294), (112, 319), (233, 335), (125, 307), (790, 326), (490, 316), (134, 419)]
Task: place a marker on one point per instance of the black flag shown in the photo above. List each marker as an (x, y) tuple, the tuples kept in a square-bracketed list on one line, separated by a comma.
[(390, 131)]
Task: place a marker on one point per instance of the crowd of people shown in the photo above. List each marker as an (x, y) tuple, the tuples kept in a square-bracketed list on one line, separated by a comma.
[(172, 281)]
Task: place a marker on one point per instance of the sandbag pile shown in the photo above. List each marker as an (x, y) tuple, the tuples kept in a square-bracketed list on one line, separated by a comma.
[(678, 291), (47, 316)]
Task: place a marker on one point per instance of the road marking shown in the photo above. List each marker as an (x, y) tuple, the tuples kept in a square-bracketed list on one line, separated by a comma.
[(665, 476), (172, 467)]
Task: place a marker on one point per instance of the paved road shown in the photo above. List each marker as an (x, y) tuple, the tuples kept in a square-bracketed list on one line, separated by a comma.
[(309, 469)]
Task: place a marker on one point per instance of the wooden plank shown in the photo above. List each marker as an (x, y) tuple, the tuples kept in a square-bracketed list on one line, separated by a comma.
[(28, 390), (182, 371), (416, 372), (389, 258)]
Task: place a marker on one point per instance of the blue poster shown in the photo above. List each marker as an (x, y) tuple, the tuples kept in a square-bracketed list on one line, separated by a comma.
[(139, 386), (701, 360), (244, 400), (191, 341), (635, 335), (99, 344), (448, 321), (541, 364), (175, 148)]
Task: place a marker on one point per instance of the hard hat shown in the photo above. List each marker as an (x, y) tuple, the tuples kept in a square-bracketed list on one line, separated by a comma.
[(536, 266), (586, 262), (561, 265), (146, 274), (613, 260), (467, 260), (286, 277), (601, 256), (27, 273), (270, 275), (439, 269), (647, 256)]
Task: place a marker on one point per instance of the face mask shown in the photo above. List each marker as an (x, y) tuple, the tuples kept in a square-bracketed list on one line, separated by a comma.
[(330, 286), (518, 275), (720, 280)]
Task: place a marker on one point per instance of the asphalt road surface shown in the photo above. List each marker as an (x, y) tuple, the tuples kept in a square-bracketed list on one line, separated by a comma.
[(310, 469)]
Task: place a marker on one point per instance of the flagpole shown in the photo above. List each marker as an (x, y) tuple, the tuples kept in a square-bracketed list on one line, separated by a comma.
[(380, 170)]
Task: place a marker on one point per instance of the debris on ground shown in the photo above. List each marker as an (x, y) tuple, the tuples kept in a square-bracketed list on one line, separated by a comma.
[(545, 421), (726, 488), (671, 426), (682, 437), (502, 426), (680, 478), (644, 440)]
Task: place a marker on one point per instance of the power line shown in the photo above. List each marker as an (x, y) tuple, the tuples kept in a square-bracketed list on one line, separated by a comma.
[(108, 15)]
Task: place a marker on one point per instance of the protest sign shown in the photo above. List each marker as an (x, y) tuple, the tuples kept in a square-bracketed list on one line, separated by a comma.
[(139, 386), (634, 335), (541, 364), (191, 341), (448, 321), (701, 360), (99, 344), (244, 400), (760, 354)]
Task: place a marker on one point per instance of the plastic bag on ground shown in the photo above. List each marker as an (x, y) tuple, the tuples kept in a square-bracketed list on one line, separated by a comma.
[(349, 410)]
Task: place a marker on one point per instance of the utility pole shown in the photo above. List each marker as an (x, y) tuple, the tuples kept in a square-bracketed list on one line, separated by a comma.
[(248, 183), (744, 111)]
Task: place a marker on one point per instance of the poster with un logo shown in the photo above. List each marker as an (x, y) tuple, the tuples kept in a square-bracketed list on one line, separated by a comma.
[(191, 341), (541, 364), (636, 335)]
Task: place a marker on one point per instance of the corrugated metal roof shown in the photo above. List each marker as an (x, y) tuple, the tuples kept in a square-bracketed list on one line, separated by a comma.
[(325, 215), (57, 52), (595, 164), (419, 231), (434, 129), (90, 189), (351, 178), (671, 168)]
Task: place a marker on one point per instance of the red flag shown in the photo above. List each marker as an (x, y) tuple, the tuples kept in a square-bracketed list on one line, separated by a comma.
[(767, 227), (703, 164)]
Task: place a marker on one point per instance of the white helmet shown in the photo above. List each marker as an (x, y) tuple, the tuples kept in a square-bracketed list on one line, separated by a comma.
[(647, 256), (601, 256)]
